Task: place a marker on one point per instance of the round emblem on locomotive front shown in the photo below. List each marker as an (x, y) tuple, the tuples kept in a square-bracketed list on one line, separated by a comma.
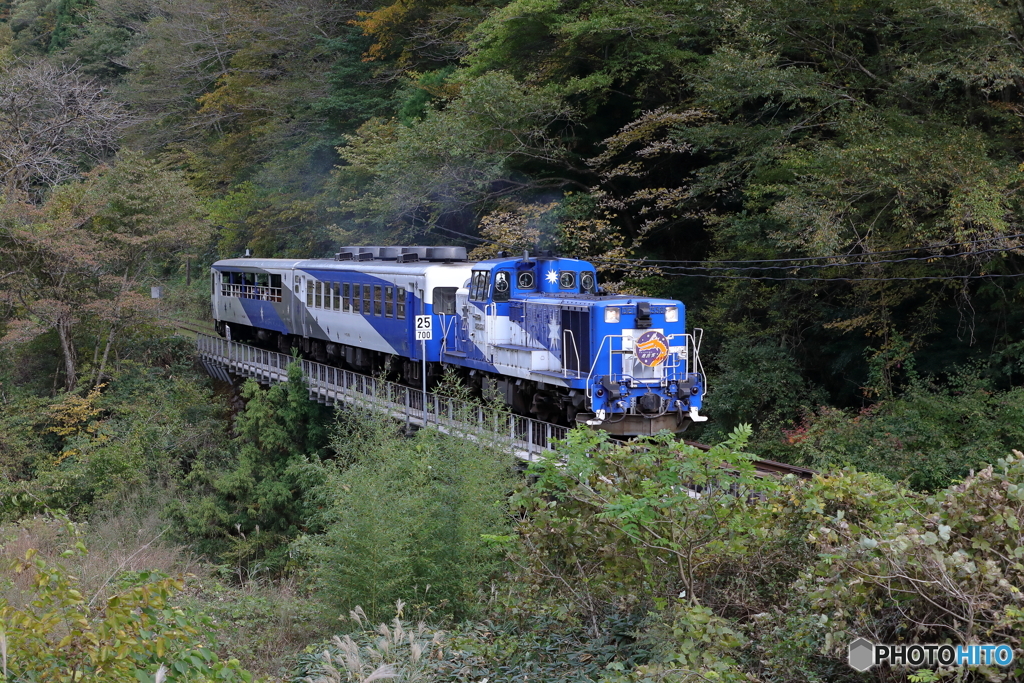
[(651, 348)]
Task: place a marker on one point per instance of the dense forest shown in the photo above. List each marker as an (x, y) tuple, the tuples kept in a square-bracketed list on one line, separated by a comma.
[(833, 189)]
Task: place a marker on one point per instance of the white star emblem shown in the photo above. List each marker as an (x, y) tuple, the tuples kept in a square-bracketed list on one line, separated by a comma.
[(552, 276), (553, 340)]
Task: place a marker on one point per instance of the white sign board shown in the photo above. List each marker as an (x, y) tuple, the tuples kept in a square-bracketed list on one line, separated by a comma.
[(424, 327)]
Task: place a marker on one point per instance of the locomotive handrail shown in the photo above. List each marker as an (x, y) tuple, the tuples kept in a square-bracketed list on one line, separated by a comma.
[(697, 365), (327, 384), (565, 370)]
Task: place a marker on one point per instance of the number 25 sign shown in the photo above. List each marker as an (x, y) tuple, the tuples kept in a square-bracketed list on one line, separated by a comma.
[(424, 327)]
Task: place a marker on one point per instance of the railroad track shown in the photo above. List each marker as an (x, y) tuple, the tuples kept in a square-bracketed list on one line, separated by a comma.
[(770, 467), (191, 326)]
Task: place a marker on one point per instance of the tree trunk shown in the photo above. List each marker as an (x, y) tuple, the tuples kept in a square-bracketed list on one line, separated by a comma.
[(68, 349), (106, 354)]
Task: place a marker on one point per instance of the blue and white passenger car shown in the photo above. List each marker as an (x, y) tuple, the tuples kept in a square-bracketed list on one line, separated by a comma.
[(535, 330)]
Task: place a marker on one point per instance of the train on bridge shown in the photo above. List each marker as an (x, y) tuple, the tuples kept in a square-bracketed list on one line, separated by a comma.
[(535, 330)]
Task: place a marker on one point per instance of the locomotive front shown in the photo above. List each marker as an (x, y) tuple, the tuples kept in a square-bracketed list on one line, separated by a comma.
[(623, 363), (646, 373)]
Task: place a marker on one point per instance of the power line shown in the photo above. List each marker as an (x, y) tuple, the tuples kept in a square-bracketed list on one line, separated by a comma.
[(909, 259), (906, 250), (684, 271), (862, 280)]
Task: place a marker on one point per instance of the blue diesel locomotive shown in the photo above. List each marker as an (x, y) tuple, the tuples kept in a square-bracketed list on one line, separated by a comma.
[(534, 329)]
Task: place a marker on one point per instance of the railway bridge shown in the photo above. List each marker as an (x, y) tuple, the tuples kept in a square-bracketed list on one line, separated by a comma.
[(330, 385), (526, 437)]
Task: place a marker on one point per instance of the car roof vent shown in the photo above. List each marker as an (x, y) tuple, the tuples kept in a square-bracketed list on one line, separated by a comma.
[(446, 254)]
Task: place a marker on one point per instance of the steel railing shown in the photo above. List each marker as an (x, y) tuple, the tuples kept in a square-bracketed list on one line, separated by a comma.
[(331, 385)]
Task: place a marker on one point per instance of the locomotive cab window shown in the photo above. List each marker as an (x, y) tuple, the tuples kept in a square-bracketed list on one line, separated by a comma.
[(478, 286), (502, 285), (444, 300), (567, 279), (525, 279)]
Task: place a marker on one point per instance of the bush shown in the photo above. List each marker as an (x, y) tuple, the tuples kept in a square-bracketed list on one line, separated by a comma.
[(127, 637), (928, 437), (406, 518), (948, 572), (756, 383)]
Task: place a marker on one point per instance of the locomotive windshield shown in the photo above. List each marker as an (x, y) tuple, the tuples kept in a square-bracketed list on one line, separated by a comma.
[(478, 287)]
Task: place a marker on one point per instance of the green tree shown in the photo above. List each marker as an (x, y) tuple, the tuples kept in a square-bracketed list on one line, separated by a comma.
[(85, 255), (247, 509), (456, 158), (408, 518)]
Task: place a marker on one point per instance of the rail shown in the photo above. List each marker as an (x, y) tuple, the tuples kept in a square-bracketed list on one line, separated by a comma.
[(330, 385)]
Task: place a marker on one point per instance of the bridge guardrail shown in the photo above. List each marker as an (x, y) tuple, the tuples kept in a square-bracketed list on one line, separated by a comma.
[(327, 384)]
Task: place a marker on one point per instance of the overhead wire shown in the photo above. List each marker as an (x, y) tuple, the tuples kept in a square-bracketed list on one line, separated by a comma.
[(909, 259), (905, 250), (675, 267)]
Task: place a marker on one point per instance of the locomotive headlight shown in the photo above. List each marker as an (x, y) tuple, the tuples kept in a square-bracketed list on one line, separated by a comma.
[(611, 314), (671, 314)]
